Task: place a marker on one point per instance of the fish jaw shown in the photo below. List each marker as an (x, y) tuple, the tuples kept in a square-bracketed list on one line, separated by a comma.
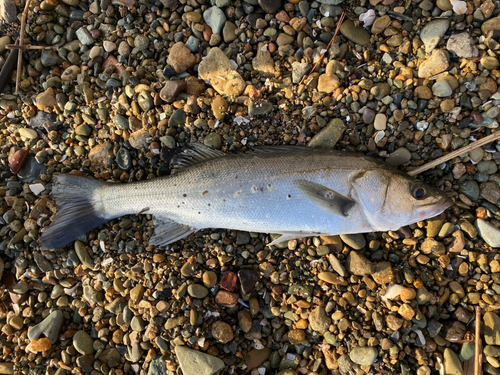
[(433, 210)]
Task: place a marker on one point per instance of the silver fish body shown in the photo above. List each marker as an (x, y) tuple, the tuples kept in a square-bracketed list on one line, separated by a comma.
[(295, 192)]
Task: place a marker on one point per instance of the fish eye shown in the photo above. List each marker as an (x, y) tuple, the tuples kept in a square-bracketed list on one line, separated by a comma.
[(418, 191)]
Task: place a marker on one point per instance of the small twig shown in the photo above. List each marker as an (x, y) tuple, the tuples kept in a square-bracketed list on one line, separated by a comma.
[(453, 154), (478, 356), (342, 17), (29, 46), (21, 42)]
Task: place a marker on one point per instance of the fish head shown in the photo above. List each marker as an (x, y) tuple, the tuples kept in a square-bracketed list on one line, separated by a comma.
[(392, 199)]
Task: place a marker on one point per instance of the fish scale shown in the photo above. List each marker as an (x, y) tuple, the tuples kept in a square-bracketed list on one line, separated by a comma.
[(296, 192)]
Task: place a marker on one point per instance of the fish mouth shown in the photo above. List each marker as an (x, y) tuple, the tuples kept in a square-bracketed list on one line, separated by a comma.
[(435, 208)]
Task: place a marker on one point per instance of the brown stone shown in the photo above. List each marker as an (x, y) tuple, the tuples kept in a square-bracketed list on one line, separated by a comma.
[(180, 58), (228, 281), (224, 297), (39, 345)]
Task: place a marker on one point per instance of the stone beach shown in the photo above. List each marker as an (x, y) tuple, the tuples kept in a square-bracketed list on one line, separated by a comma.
[(128, 83)]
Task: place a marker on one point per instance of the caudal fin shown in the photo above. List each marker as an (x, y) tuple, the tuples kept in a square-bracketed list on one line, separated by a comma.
[(77, 210)]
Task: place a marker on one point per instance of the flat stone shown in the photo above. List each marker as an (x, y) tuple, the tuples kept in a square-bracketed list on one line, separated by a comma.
[(6, 368), (491, 330), (257, 357), (46, 100), (194, 362), (451, 363), (435, 64), (432, 33), (363, 355), (356, 241), (380, 24), (83, 343), (356, 34), (259, 108), (463, 45), (50, 327), (491, 24), (488, 232), (8, 11), (329, 135), (218, 70)]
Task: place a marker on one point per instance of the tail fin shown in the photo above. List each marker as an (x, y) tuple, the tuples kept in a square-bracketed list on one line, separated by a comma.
[(77, 212)]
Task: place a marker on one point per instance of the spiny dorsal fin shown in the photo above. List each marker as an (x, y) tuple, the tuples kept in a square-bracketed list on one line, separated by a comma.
[(193, 154), (326, 198)]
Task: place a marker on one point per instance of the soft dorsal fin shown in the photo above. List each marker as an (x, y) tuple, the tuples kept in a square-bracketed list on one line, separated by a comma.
[(193, 154), (326, 198)]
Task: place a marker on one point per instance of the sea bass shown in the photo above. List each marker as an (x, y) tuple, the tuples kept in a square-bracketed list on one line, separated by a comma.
[(296, 192)]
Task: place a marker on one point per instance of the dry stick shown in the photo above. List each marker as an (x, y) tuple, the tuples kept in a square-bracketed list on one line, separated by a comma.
[(477, 355), (342, 17), (451, 155), (21, 42), (29, 46)]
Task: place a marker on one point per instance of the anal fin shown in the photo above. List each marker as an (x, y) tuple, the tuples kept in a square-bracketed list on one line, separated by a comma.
[(168, 231)]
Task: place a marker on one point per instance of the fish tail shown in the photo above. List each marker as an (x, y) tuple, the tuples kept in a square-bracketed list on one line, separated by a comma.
[(79, 210)]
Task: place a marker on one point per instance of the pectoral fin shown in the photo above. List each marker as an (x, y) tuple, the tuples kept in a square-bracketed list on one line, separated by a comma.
[(287, 236), (168, 231), (326, 198)]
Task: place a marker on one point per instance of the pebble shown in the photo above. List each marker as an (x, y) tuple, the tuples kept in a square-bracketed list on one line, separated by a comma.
[(83, 343), (197, 291), (318, 320), (329, 135), (435, 64), (451, 363), (215, 18), (462, 45), (172, 89), (432, 33), (218, 70), (83, 255), (194, 362), (222, 332), (442, 89), (489, 233), (354, 33), (50, 327), (363, 355), (180, 58)]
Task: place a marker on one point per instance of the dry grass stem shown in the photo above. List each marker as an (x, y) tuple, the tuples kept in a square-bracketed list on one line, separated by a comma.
[(21, 43), (453, 154)]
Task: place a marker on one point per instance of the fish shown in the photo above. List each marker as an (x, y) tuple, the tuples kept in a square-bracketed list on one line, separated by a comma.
[(293, 191)]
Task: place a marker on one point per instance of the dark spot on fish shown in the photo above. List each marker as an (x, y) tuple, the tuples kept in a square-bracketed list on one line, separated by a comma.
[(236, 177), (289, 196), (199, 213), (206, 191), (209, 205), (223, 200), (184, 195)]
